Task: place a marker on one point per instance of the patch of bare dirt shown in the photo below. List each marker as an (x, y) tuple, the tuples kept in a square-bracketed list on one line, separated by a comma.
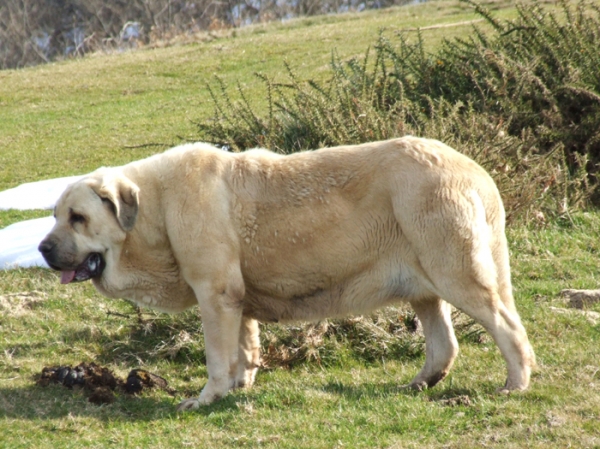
[(21, 303), (455, 401)]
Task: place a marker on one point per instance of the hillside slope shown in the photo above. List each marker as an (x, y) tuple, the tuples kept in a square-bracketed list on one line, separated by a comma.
[(71, 117)]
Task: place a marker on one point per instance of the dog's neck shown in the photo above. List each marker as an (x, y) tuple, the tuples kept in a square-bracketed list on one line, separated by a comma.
[(148, 273)]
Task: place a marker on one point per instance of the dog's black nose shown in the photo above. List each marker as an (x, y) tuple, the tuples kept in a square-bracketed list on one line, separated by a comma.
[(46, 247)]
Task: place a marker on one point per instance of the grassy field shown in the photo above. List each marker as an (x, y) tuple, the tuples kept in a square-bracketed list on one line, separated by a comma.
[(71, 117)]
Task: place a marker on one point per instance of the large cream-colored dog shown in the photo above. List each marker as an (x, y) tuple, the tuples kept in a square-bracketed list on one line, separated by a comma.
[(260, 236)]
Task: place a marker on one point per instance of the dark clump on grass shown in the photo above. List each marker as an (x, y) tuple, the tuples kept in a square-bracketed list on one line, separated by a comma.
[(100, 382), (523, 100)]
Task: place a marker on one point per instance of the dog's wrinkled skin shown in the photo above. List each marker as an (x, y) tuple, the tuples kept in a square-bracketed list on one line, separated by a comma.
[(260, 236)]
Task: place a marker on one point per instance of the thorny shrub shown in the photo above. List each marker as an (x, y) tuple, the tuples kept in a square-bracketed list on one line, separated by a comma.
[(523, 101)]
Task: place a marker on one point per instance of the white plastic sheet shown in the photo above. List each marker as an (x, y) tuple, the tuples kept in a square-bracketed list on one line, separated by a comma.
[(35, 195), (19, 241)]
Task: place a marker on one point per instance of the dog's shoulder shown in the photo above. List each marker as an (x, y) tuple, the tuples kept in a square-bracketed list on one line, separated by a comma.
[(196, 153)]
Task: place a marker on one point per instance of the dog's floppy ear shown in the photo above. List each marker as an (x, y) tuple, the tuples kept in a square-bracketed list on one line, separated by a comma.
[(123, 194)]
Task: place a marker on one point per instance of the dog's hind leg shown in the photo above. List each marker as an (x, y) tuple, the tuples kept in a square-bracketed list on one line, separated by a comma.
[(249, 353), (479, 286), (440, 342), (504, 324), (463, 256)]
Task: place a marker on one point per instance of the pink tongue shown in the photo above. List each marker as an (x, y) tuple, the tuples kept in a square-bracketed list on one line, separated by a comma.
[(66, 276)]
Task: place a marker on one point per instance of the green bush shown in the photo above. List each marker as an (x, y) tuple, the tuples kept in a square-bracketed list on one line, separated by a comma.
[(523, 100)]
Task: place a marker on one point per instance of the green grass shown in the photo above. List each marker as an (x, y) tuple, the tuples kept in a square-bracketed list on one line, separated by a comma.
[(351, 401), (71, 117)]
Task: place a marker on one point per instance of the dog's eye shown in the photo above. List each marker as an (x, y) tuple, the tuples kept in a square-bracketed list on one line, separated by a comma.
[(77, 218)]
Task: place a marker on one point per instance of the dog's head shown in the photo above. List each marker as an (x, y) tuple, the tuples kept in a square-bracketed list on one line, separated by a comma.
[(93, 217)]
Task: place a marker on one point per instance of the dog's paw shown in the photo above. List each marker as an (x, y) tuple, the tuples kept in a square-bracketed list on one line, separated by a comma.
[(189, 404), (510, 389), (207, 396)]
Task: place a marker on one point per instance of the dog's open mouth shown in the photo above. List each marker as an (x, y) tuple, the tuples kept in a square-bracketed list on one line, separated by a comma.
[(90, 268)]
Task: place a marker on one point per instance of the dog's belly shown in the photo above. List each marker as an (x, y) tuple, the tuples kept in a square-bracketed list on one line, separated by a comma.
[(359, 261), (386, 282)]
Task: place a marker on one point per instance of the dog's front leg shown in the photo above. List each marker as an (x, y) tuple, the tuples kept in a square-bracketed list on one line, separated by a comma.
[(221, 318)]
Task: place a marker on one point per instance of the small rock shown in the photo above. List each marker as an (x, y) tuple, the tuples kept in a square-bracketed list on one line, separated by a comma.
[(580, 299)]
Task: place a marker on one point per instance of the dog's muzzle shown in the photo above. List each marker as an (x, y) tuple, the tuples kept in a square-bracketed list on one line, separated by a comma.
[(91, 267)]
